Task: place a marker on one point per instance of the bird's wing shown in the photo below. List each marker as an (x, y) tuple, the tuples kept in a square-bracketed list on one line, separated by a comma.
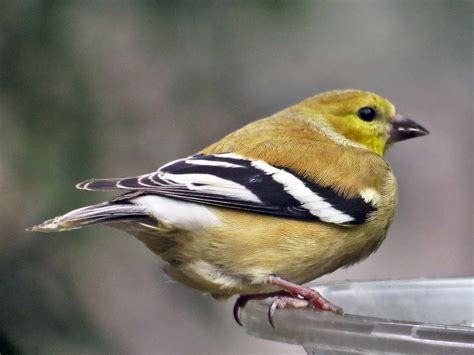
[(229, 180)]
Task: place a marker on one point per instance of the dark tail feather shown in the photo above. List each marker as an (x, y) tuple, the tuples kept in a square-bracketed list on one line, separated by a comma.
[(99, 184), (101, 213)]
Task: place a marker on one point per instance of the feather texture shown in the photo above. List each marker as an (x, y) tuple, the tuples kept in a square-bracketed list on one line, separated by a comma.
[(106, 212), (230, 180)]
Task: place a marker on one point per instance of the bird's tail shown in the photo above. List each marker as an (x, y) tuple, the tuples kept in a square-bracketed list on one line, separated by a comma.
[(106, 212)]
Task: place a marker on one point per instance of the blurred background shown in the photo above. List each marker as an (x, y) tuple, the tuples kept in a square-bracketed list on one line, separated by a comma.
[(117, 88)]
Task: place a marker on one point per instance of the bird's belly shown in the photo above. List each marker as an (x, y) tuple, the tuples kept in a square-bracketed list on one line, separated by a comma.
[(239, 255)]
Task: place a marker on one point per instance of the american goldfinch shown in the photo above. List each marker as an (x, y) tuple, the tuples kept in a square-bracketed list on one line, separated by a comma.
[(275, 204)]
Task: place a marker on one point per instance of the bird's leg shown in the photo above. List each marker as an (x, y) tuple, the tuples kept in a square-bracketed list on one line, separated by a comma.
[(298, 296), (293, 295), (243, 299)]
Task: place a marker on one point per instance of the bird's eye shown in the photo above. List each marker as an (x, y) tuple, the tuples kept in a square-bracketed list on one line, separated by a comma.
[(367, 114)]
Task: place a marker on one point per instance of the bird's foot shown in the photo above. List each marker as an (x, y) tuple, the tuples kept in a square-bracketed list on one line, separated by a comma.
[(298, 296), (294, 296), (311, 299)]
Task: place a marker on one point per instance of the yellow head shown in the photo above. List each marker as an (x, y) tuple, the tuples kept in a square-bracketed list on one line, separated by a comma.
[(362, 117)]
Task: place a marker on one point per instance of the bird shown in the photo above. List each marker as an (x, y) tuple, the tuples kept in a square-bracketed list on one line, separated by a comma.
[(269, 207)]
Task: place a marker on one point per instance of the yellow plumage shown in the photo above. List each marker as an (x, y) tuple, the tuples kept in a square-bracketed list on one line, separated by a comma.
[(334, 141)]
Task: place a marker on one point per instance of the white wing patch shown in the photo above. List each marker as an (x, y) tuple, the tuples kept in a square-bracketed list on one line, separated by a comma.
[(370, 196), (212, 163), (182, 214), (213, 185)]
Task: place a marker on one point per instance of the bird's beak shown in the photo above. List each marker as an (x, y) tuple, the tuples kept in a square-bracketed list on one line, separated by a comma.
[(404, 128)]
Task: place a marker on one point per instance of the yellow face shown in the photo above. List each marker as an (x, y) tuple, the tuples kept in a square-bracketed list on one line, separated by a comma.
[(362, 117)]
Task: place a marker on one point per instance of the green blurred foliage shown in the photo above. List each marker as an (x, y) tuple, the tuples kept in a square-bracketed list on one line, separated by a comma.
[(46, 147), (42, 80)]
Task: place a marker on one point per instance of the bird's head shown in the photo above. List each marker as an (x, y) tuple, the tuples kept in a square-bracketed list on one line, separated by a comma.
[(362, 117)]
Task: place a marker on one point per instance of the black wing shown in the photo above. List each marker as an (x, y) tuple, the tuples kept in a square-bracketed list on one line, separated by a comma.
[(231, 181)]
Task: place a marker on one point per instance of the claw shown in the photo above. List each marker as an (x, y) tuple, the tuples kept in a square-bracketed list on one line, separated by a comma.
[(282, 302), (243, 299), (239, 303), (328, 306), (275, 305)]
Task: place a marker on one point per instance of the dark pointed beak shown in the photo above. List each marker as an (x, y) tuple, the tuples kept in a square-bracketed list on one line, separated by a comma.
[(404, 128)]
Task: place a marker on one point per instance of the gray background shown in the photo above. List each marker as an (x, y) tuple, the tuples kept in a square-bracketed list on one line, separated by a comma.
[(115, 88)]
